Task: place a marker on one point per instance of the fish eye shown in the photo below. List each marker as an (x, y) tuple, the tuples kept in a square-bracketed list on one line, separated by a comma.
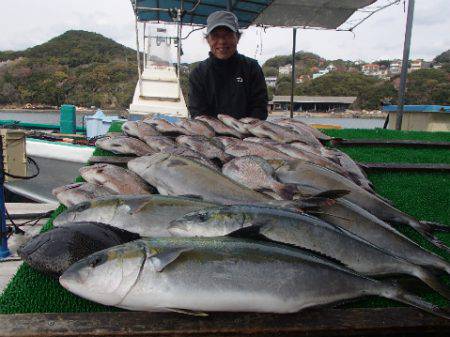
[(81, 207), (96, 261)]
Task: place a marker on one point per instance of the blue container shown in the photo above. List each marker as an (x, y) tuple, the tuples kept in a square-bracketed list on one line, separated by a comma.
[(68, 119)]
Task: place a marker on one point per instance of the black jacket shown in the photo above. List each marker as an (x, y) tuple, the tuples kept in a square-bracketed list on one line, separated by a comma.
[(234, 87)]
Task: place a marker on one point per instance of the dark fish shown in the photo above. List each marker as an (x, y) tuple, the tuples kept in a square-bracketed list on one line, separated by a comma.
[(54, 251)]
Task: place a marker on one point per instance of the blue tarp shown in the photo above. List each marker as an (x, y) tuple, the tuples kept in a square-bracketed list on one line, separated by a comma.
[(306, 13), (419, 108)]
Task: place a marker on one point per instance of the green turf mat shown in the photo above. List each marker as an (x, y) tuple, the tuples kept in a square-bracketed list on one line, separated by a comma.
[(423, 195)]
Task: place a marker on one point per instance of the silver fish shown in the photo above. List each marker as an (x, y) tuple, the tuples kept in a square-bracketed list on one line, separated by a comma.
[(357, 220), (115, 178), (304, 231), (146, 215), (220, 274), (176, 175), (124, 145), (304, 173), (219, 127), (255, 173), (73, 194)]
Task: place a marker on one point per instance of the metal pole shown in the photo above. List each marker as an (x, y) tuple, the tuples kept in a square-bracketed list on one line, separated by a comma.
[(404, 73), (294, 34), (4, 251), (138, 56), (229, 5)]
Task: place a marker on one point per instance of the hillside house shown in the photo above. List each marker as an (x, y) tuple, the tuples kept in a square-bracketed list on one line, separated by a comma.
[(419, 64), (395, 67), (370, 69), (285, 70), (320, 73), (303, 78), (271, 81)]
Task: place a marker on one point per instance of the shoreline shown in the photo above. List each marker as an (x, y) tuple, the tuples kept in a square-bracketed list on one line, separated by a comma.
[(339, 115)]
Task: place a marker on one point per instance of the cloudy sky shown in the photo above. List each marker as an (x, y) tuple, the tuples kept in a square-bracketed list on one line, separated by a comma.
[(26, 23)]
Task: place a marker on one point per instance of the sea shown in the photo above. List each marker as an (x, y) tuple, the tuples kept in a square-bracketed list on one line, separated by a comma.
[(52, 117)]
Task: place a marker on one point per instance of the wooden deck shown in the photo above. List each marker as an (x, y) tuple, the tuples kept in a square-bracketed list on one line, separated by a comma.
[(319, 322)]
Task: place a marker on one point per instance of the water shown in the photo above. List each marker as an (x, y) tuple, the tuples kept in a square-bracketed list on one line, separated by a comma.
[(52, 117)]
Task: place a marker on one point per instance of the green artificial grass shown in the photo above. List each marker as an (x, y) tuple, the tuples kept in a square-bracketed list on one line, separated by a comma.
[(425, 196)]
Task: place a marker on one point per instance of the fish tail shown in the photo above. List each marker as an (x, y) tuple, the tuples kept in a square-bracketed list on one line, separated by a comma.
[(427, 231), (435, 226), (400, 295), (432, 281)]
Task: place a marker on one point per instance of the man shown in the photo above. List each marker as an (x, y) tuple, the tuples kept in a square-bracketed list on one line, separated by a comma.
[(227, 82)]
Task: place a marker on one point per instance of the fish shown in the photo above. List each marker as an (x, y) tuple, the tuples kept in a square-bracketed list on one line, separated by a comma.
[(200, 275), (303, 128), (219, 127), (124, 145), (304, 231), (168, 128), (234, 123), (139, 129), (158, 143), (225, 141), (273, 131), (176, 175), (249, 120), (189, 153), (304, 173), (55, 250), (255, 149), (146, 215), (115, 178), (255, 173), (196, 126), (305, 155), (73, 194), (353, 168), (362, 223), (210, 148)]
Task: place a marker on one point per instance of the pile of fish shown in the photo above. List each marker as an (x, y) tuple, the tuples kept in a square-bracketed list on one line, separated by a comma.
[(231, 215)]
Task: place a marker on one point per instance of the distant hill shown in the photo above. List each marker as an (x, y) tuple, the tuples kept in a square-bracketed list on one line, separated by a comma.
[(76, 47), (77, 67), (443, 58)]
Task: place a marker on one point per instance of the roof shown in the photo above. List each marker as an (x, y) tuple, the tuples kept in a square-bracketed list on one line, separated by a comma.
[(281, 13), (316, 99), (419, 108)]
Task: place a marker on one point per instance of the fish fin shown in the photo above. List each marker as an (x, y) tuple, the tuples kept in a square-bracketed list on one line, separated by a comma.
[(163, 259), (400, 295), (314, 203), (432, 281), (435, 226), (332, 194), (137, 206), (287, 191), (188, 312), (192, 196), (249, 232)]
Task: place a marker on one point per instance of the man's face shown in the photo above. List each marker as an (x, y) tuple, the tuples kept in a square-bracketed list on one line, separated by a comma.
[(222, 42)]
